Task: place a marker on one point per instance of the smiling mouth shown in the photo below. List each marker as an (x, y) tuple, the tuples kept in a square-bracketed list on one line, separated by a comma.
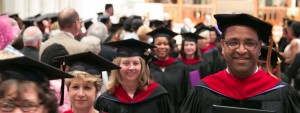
[(241, 58)]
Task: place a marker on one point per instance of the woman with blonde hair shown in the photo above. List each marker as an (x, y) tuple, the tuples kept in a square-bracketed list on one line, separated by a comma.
[(131, 88), (86, 84)]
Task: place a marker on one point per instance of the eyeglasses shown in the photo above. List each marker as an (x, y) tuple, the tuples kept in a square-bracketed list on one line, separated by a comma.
[(248, 44), (80, 20), (25, 107)]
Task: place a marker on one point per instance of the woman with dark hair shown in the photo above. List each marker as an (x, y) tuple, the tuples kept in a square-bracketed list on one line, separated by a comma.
[(33, 97), (167, 71), (190, 57), (24, 86)]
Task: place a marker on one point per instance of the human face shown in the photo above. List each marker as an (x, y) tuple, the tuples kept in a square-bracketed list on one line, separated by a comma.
[(82, 93), (202, 43), (77, 26), (28, 102), (241, 62), (189, 48), (130, 68), (162, 49), (213, 36), (110, 11)]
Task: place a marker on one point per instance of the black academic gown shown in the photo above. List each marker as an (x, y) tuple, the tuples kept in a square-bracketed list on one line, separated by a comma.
[(200, 65), (294, 71), (280, 98), (156, 102), (218, 65), (214, 59), (174, 79)]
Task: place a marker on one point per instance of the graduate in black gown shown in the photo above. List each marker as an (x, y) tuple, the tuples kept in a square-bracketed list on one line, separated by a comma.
[(242, 84), (167, 71), (190, 57), (131, 89)]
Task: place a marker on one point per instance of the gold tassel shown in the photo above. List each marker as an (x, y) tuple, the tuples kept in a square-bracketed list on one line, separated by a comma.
[(269, 57), (278, 63)]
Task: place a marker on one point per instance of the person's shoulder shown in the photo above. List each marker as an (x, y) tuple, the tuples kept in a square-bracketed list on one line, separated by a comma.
[(160, 88)]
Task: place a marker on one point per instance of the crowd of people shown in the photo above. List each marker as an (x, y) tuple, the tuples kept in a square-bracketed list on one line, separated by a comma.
[(48, 64)]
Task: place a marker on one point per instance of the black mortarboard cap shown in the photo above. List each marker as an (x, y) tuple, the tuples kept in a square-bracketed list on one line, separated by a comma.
[(156, 23), (136, 17), (191, 37), (28, 22), (100, 13), (24, 68), (103, 18), (263, 29), (37, 15), (87, 62), (132, 47), (14, 15), (108, 6), (52, 16), (115, 27), (199, 26), (164, 32), (88, 23), (274, 57), (168, 24)]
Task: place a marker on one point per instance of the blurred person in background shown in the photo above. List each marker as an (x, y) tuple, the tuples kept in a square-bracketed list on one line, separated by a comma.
[(32, 38), (99, 30)]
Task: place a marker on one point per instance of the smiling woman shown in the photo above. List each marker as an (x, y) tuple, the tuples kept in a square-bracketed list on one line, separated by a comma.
[(84, 87), (24, 86), (131, 89)]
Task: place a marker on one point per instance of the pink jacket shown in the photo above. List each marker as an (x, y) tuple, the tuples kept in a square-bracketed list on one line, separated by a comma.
[(55, 85)]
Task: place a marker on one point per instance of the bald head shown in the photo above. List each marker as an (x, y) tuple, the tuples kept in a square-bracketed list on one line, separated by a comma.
[(32, 36), (67, 20)]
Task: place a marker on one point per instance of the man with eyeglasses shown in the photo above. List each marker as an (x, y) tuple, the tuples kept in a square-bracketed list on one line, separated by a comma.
[(242, 84)]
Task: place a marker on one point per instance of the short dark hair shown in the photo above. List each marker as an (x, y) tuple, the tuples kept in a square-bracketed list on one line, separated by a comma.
[(182, 53), (108, 6), (45, 94)]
